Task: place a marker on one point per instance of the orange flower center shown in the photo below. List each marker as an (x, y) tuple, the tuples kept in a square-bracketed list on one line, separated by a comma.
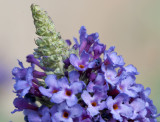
[(55, 91), (84, 117), (81, 66), (65, 114), (109, 77), (94, 104), (68, 93), (120, 87), (115, 106)]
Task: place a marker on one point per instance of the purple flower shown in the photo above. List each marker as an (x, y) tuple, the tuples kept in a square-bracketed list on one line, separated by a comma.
[(149, 106), (19, 73), (129, 87), (68, 92), (128, 70), (95, 64), (21, 104), (76, 45), (33, 60), (24, 85), (74, 76), (68, 42), (37, 74), (145, 94), (98, 85), (131, 70), (99, 90), (98, 49), (110, 75), (65, 113), (80, 64), (52, 84), (100, 80), (138, 106), (94, 103), (60, 90), (118, 108), (42, 115), (86, 40), (112, 58), (85, 117)]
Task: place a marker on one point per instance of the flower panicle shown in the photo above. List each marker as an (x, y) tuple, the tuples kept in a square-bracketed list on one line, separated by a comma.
[(81, 83)]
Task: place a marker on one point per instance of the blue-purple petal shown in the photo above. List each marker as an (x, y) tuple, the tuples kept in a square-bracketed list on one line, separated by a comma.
[(74, 60), (86, 97), (84, 57), (76, 111), (45, 92), (21, 84), (51, 81), (76, 87), (58, 97), (63, 82), (74, 76), (72, 100)]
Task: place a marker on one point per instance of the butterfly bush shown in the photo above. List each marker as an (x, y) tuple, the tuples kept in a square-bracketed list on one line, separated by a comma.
[(80, 82)]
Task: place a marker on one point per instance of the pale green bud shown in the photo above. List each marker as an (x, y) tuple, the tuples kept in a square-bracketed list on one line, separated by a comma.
[(43, 23), (51, 48)]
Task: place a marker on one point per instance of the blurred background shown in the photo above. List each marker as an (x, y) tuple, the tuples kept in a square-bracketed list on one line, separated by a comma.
[(132, 26)]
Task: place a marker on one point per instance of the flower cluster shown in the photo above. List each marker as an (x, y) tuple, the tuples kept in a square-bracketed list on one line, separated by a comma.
[(94, 85)]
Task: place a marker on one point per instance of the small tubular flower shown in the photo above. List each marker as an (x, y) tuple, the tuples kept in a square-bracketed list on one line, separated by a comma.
[(23, 85), (82, 63), (68, 92), (94, 103), (42, 115), (110, 75), (52, 84), (118, 108), (65, 113)]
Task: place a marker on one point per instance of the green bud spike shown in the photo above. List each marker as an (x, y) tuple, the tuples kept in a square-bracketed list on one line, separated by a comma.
[(51, 48), (43, 23)]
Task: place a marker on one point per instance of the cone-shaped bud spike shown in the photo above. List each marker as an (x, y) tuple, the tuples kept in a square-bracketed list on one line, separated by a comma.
[(51, 48), (43, 23)]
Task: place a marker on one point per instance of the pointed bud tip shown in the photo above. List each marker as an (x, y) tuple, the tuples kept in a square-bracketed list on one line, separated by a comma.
[(35, 7)]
